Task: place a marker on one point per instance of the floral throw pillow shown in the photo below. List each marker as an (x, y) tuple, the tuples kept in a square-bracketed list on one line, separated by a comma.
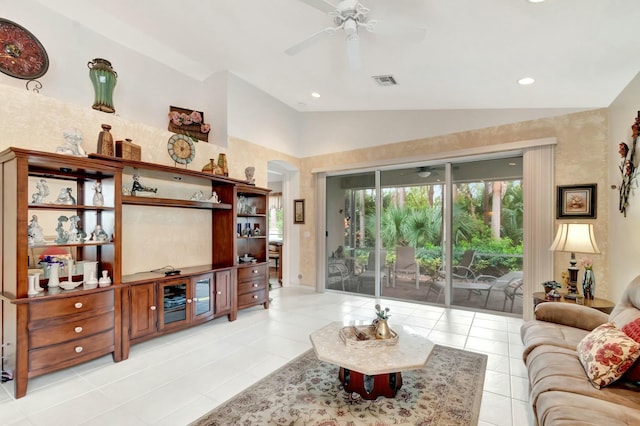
[(606, 354), (632, 330)]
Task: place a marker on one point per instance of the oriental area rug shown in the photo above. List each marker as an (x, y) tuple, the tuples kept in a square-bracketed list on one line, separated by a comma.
[(307, 391)]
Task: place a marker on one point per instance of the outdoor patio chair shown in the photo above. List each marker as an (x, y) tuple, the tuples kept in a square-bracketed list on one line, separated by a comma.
[(463, 270), (369, 272), (406, 264), (338, 273), (512, 290), (481, 283)]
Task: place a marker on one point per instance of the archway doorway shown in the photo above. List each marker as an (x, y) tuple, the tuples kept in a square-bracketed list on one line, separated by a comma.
[(283, 180)]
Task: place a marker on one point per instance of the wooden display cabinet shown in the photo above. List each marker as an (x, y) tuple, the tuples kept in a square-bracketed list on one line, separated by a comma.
[(57, 328), (252, 221)]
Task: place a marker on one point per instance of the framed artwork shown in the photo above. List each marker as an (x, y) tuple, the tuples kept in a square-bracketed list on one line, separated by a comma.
[(577, 202), (298, 211)]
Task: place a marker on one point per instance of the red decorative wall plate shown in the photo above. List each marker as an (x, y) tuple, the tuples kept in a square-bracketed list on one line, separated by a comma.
[(21, 54)]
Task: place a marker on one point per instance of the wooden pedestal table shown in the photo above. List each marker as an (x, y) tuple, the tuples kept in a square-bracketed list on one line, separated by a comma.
[(603, 305), (371, 371)]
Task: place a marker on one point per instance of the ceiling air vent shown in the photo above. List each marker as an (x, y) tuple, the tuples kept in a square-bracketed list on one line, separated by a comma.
[(385, 80)]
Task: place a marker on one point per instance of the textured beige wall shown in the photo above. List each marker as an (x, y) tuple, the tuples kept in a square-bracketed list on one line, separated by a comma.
[(33, 121), (580, 157)]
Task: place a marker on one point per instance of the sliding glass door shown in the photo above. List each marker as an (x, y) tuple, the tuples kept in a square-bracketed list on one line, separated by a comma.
[(351, 233), (387, 232), (411, 231)]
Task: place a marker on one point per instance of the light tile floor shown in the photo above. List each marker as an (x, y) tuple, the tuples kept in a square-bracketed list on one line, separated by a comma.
[(174, 379)]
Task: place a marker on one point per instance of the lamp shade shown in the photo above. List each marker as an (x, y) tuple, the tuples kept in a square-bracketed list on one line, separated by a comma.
[(575, 238)]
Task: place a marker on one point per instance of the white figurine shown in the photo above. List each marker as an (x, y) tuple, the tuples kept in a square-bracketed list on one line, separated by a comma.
[(65, 197), (214, 197), (40, 195), (99, 234), (75, 233), (73, 137), (35, 231), (248, 173), (98, 199), (197, 196)]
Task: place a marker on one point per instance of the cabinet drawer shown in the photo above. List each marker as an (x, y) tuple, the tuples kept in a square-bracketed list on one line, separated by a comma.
[(70, 353), (252, 271), (73, 328), (252, 298), (70, 305), (257, 283)]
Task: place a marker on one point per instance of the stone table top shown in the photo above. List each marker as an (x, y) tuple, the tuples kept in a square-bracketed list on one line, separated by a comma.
[(410, 353)]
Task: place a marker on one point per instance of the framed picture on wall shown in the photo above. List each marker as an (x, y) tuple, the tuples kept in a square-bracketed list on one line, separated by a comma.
[(577, 202), (298, 211)]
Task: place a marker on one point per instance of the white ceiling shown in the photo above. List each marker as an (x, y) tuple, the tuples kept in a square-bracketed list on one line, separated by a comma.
[(582, 53)]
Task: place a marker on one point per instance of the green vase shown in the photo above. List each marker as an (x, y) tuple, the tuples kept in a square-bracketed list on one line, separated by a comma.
[(103, 78)]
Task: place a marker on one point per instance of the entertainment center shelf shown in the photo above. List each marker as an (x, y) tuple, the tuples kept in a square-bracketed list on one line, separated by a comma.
[(54, 329), (168, 202)]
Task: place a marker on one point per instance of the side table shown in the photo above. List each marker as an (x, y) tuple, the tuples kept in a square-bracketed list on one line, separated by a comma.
[(603, 305)]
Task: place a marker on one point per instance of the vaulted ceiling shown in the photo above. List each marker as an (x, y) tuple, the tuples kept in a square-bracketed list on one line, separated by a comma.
[(582, 53)]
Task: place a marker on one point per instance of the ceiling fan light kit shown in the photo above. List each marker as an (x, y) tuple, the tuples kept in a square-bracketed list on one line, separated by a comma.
[(349, 16)]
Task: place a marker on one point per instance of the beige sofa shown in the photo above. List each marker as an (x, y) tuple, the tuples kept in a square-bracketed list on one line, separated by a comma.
[(560, 392)]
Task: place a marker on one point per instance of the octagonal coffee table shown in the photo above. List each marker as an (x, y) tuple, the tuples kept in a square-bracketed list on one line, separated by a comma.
[(371, 371)]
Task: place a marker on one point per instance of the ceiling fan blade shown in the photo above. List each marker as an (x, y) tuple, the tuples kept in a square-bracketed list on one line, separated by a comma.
[(322, 5), (406, 32), (311, 40)]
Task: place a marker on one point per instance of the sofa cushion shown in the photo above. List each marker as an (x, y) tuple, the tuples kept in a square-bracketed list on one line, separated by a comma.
[(552, 368), (632, 330), (564, 408), (606, 354), (535, 333)]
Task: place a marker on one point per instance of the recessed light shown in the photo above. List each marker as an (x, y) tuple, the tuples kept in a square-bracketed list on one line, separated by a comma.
[(315, 94), (536, 1), (525, 81)]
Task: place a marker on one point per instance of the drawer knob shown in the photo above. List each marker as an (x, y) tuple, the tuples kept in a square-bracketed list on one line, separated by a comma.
[(188, 300), (219, 292), (78, 329), (78, 305), (255, 284), (153, 308), (255, 271), (79, 349), (255, 296)]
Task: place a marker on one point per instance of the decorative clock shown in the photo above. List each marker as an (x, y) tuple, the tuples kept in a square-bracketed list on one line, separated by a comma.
[(21, 54), (181, 149)]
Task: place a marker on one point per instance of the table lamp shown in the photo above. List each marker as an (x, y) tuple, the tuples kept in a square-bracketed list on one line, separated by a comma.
[(574, 237)]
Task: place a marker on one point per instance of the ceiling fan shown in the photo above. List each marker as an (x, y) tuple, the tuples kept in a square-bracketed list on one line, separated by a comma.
[(422, 171), (350, 16)]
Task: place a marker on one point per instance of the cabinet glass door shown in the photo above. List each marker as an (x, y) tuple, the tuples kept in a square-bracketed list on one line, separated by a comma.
[(174, 302), (202, 300)]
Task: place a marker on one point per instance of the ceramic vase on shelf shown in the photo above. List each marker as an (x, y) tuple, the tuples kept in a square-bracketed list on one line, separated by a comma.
[(222, 163), (104, 281), (105, 142), (33, 285), (54, 275), (103, 78), (382, 329), (589, 284)]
